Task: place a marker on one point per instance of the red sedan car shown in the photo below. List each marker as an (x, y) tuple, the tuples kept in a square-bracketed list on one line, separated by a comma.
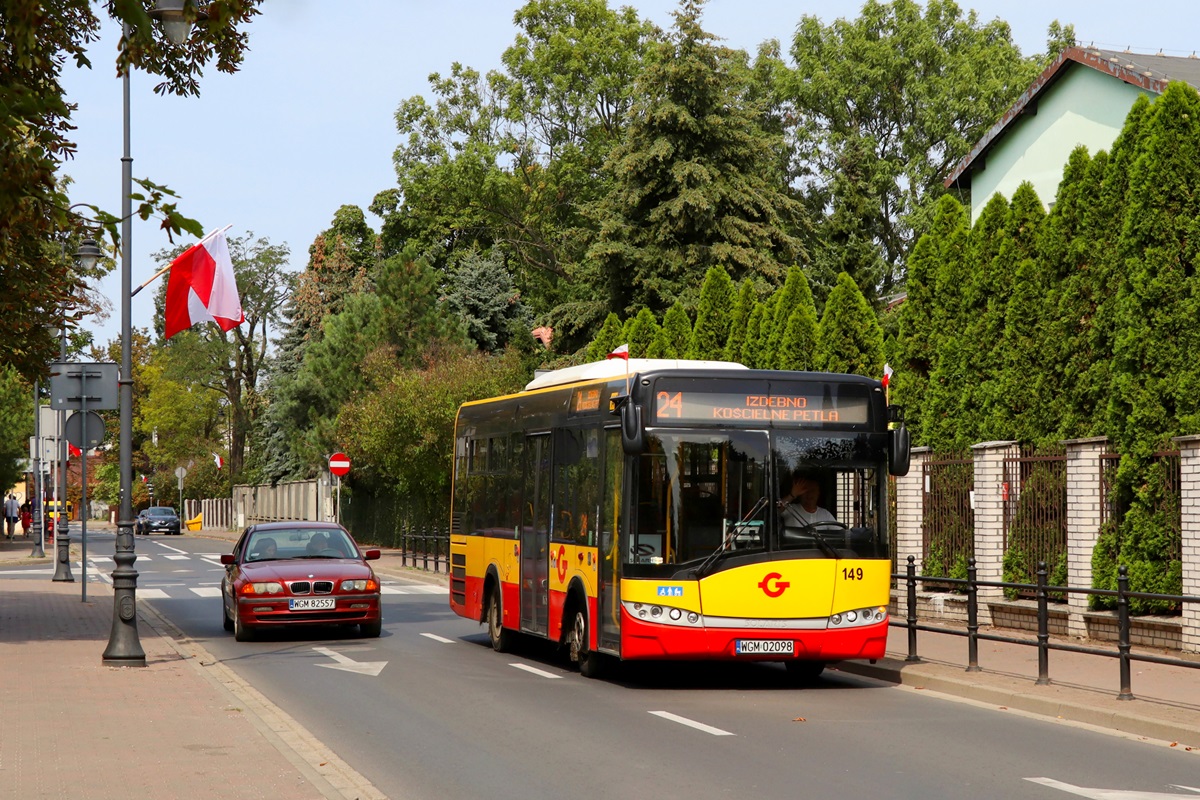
[(299, 573)]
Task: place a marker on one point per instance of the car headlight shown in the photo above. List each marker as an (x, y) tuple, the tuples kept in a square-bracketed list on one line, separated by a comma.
[(368, 585), (264, 587)]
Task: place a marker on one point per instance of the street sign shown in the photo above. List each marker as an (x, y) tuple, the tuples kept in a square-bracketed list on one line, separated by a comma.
[(95, 430), (339, 464), (78, 385), (181, 472)]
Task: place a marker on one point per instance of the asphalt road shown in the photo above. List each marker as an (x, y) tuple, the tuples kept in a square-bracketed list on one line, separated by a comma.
[(446, 717)]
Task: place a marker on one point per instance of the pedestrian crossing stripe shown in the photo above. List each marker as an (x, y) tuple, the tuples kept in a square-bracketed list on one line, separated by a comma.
[(207, 591), (415, 590)]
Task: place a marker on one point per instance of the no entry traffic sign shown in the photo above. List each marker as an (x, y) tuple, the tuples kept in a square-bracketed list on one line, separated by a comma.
[(339, 464)]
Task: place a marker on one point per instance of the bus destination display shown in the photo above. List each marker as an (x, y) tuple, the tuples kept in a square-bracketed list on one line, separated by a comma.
[(749, 408)]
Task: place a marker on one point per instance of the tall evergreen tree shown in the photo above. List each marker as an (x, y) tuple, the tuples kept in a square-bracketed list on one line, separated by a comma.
[(675, 336), (695, 182), (738, 320), (798, 344), (794, 293), (849, 338), (754, 350), (608, 338), (640, 333), (711, 331)]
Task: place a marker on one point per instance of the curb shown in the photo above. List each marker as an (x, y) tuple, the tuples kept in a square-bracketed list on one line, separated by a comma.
[(1098, 709)]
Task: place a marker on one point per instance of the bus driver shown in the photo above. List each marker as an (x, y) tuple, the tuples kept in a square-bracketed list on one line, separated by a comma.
[(801, 507)]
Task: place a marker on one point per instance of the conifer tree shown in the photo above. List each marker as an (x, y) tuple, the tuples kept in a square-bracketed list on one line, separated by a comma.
[(608, 338), (784, 301), (640, 333), (849, 338), (798, 344), (754, 351), (738, 320), (675, 336), (918, 345), (711, 331)]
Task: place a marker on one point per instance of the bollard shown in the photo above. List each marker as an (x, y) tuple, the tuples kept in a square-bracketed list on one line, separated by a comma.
[(1043, 634), (1123, 630), (911, 579), (972, 618)]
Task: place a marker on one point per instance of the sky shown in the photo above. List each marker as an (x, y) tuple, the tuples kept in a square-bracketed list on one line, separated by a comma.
[(306, 126)]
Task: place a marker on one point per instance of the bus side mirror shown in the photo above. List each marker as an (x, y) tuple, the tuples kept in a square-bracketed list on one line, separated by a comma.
[(633, 438), (899, 451)]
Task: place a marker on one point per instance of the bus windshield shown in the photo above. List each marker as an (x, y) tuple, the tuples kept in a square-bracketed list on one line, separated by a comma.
[(701, 494)]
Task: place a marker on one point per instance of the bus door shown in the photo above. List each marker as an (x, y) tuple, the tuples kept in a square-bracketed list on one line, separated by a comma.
[(535, 536), (612, 524)]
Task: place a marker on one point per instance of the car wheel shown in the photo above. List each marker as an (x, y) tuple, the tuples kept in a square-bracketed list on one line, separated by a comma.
[(501, 637), (241, 631), (371, 630)]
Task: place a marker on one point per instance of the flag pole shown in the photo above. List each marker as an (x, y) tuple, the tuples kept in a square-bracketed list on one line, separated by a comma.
[(168, 266)]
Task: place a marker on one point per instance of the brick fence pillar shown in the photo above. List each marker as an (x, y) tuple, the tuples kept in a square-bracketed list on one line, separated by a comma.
[(1189, 469), (988, 502), (910, 511), (1085, 497)]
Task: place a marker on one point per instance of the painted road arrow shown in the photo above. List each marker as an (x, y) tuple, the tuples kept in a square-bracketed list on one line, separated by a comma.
[(1116, 794), (372, 668)]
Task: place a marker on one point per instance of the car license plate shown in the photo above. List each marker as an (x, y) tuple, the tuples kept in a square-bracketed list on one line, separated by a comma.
[(764, 647), (311, 603)]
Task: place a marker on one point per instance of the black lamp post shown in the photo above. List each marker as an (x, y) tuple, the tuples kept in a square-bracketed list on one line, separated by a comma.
[(124, 646)]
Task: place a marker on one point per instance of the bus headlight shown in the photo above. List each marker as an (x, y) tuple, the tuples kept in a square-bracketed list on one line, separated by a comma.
[(663, 615), (858, 617)]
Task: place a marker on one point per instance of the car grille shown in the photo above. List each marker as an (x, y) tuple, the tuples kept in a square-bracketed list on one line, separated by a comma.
[(311, 587)]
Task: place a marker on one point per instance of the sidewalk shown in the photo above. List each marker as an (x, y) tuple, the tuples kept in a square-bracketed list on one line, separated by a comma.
[(100, 731)]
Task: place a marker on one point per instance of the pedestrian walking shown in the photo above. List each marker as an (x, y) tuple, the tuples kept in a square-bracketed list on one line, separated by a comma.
[(12, 512), (26, 517)]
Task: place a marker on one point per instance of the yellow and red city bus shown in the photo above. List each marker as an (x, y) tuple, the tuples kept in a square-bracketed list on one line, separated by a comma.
[(630, 509)]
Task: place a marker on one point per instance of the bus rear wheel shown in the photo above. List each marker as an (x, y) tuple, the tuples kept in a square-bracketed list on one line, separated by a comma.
[(501, 637)]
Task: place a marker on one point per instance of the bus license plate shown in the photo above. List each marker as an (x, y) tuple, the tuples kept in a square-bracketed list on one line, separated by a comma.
[(311, 603), (764, 647)]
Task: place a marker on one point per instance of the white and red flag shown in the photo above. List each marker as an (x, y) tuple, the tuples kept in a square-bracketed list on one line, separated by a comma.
[(887, 375), (202, 287), (219, 461), (620, 352)]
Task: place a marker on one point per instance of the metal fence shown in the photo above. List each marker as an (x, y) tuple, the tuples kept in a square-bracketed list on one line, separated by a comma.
[(390, 521), (948, 521), (1034, 494), (1042, 590)]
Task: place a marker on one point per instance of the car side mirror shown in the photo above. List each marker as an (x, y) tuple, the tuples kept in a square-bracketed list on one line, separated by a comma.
[(371, 555), (227, 559)]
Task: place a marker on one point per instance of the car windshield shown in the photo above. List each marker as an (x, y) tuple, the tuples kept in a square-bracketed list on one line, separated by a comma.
[(160, 511), (288, 543)]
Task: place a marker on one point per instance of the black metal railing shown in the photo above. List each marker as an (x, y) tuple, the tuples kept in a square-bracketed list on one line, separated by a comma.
[(425, 547), (1042, 590)]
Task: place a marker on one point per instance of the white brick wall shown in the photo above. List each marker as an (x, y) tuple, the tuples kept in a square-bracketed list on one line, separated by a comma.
[(989, 519), (1189, 463), (909, 511), (1083, 522)]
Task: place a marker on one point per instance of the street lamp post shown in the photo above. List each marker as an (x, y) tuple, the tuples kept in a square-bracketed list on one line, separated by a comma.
[(124, 647), (62, 530), (35, 502)]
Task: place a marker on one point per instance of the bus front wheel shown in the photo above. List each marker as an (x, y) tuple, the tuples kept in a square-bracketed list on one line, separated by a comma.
[(577, 643), (501, 637)]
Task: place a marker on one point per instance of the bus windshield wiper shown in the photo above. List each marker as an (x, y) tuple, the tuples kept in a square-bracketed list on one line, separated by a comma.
[(727, 540)]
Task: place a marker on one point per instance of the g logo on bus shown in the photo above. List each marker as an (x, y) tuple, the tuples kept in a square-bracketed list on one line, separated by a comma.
[(772, 586)]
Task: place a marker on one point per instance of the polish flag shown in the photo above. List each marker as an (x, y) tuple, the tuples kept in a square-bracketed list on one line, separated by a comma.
[(202, 288), (887, 375), (620, 352), (220, 461), (73, 451)]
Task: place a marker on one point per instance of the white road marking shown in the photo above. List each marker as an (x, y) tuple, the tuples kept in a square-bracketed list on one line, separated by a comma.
[(410, 589), (372, 668), (1114, 794), (437, 638), (152, 594), (536, 671), (178, 558), (165, 546), (207, 591), (691, 723)]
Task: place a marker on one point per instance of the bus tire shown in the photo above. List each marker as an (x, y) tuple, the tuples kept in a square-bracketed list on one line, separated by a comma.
[(804, 671), (578, 639), (500, 636)]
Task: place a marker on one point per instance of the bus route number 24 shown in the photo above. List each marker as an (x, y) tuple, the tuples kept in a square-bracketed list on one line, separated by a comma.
[(670, 404)]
